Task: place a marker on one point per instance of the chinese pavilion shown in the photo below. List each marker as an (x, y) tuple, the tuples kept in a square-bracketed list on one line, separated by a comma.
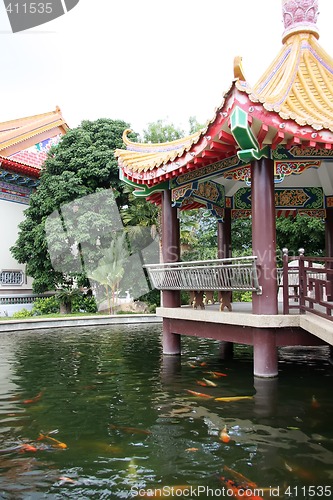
[(24, 144), (266, 153)]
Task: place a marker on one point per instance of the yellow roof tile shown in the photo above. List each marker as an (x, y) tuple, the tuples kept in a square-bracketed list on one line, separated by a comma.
[(298, 85), (141, 157)]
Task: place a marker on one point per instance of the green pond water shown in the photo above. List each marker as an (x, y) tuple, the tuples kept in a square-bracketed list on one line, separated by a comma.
[(129, 428)]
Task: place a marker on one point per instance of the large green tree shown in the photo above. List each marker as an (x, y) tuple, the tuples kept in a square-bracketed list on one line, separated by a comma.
[(73, 214)]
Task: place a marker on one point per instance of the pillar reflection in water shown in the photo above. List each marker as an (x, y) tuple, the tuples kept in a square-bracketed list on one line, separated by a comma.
[(266, 397)]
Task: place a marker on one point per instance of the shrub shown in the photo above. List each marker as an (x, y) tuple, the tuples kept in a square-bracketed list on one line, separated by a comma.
[(23, 313), (46, 305), (84, 303)]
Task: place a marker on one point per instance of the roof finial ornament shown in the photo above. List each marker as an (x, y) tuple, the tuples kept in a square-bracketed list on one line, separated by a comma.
[(238, 69), (299, 16)]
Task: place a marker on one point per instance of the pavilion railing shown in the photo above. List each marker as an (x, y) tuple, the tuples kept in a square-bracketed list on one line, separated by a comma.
[(308, 284), (206, 275)]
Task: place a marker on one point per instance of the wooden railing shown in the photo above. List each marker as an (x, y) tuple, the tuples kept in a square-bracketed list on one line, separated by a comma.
[(308, 284)]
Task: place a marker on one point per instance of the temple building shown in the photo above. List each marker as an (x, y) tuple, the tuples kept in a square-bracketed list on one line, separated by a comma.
[(267, 152), (24, 144)]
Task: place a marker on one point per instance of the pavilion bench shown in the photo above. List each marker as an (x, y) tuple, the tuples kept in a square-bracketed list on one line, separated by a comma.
[(206, 276)]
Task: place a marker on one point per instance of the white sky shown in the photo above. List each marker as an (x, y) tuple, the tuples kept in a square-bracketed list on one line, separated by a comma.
[(140, 60)]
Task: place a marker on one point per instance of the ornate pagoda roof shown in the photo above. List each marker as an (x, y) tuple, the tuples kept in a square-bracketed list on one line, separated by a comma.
[(291, 104), (26, 140)]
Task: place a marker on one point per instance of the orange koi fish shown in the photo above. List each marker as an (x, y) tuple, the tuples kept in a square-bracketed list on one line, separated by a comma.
[(198, 394), (57, 444), (129, 430), (217, 374), (34, 399), (224, 436)]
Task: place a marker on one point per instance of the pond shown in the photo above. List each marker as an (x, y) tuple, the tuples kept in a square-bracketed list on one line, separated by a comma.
[(99, 413)]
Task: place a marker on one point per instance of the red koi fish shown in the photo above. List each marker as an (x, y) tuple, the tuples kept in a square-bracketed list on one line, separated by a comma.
[(241, 491), (198, 394), (34, 399), (27, 448), (240, 478)]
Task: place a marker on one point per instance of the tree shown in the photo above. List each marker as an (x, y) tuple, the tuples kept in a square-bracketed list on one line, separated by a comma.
[(300, 232), (81, 165), (161, 131), (111, 268)]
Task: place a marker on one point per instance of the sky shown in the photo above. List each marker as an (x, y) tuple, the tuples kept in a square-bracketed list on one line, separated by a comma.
[(141, 60)]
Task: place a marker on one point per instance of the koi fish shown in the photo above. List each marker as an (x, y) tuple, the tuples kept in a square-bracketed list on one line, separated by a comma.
[(217, 374), (240, 477), (192, 365), (241, 492), (314, 402), (198, 394), (209, 382), (33, 400), (67, 479), (192, 449), (27, 447), (300, 472), (21, 448), (233, 398), (224, 436), (57, 444), (129, 430), (201, 382)]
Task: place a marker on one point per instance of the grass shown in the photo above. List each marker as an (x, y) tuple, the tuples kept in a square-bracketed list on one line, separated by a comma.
[(58, 315)]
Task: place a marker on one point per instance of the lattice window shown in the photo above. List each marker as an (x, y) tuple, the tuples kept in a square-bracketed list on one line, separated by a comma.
[(9, 277)]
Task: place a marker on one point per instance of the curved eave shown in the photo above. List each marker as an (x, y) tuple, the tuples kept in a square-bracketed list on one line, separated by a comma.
[(154, 163), (20, 168), (298, 85)]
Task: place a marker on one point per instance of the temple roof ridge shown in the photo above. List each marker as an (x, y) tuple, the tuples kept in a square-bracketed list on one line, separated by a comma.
[(21, 133)]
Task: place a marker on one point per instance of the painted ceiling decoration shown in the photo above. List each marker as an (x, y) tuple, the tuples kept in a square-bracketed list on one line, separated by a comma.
[(286, 116)]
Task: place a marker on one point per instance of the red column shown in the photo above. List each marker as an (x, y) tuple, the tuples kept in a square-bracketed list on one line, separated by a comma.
[(329, 232), (329, 244), (170, 253), (224, 236), (264, 247), (264, 235)]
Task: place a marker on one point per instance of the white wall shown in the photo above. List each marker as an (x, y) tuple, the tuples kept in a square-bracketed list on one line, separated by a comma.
[(11, 214)]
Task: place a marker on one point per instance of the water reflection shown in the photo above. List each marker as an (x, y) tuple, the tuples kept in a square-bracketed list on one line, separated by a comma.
[(133, 418)]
